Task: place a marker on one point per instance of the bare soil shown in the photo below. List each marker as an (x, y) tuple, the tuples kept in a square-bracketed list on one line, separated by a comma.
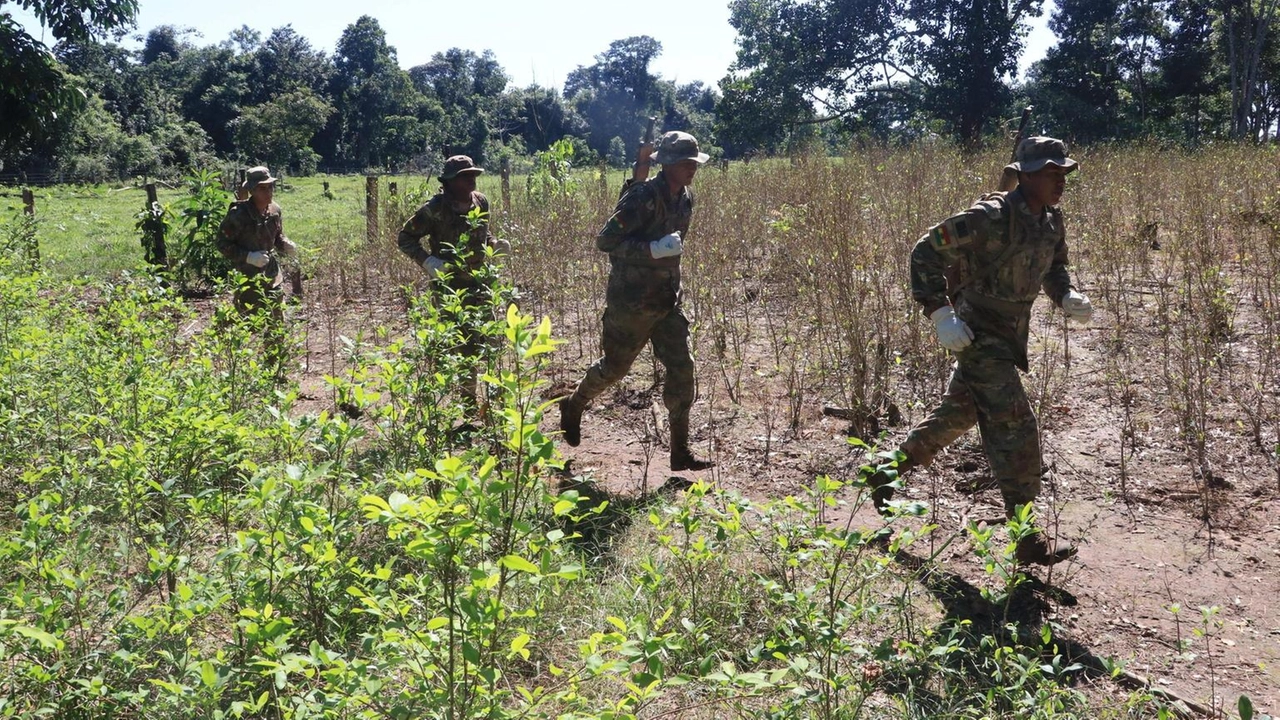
[(1155, 547)]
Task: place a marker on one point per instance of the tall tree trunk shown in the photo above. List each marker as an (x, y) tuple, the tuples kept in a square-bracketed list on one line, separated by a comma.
[(1246, 29)]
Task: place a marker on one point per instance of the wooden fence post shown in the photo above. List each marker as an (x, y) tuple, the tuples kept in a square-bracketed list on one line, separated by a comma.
[(391, 208), (506, 184), (371, 207), (153, 247), (33, 243)]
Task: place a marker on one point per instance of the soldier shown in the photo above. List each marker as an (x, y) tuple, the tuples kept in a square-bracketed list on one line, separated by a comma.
[(252, 238), (447, 260), (644, 239), (1004, 250)]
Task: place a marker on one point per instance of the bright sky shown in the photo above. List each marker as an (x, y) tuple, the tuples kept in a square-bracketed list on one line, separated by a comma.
[(535, 42)]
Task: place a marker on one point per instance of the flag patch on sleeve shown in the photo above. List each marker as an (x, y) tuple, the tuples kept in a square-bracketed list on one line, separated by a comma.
[(952, 232)]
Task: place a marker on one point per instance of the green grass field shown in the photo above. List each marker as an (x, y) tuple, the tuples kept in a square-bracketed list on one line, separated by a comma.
[(88, 230)]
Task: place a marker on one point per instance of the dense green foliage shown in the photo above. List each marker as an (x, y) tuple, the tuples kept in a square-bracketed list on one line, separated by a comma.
[(1179, 69)]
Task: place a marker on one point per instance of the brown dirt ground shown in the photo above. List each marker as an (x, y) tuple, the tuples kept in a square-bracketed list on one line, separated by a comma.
[(1144, 546)]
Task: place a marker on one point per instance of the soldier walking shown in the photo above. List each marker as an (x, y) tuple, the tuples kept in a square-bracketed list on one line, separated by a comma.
[(644, 239), (1001, 251), (455, 226), (252, 238)]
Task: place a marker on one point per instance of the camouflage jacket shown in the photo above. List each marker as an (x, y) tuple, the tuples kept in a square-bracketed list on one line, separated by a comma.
[(244, 230), (1002, 256), (646, 212), (443, 228)]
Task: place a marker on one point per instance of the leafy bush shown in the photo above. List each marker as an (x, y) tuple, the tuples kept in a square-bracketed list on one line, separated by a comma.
[(195, 262)]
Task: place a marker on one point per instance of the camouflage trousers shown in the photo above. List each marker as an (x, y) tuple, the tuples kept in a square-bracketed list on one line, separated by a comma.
[(469, 314), (986, 389), (260, 300), (626, 331)]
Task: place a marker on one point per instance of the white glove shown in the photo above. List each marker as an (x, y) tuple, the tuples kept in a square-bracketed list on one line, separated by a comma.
[(288, 247), (667, 246), (953, 334), (1077, 307), (257, 258), (433, 265), (500, 246)]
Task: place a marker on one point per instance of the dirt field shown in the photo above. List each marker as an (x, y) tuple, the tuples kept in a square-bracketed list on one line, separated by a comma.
[(1154, 550)]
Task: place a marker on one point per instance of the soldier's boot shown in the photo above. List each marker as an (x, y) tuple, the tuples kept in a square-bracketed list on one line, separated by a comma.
[(571, 419), (1037, 548), (881, 490), (682, 457), (1042, 550)]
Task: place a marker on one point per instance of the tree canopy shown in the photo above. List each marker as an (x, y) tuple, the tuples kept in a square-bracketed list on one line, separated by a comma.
[(809, 75), (34, 88)]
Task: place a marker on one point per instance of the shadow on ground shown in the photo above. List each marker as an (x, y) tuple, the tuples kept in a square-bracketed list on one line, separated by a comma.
[(596, 532)]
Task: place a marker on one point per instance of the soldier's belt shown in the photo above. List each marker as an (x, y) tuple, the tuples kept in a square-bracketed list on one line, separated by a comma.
[(1006, 307)]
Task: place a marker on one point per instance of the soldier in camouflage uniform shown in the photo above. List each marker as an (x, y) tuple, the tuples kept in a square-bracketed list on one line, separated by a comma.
[(644, 239), (450, 262), (442, 220), (998, 255), (252, 238)]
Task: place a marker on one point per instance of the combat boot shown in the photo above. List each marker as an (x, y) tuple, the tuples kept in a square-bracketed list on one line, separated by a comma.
[(881, 490), (1041, 550), (682, 457), (571, 420)]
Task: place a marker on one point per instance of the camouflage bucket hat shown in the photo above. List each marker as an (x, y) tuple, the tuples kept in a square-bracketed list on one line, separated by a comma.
[(459, 165), (255, 176), (1034, 153), (677, 146)]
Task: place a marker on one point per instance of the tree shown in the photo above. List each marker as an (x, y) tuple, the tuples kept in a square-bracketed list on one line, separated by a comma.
[(278, 132), (617, 92), (367, 87), (286, 62), (805, 60), (691, 108), (164, 43), (212, 85), (468, 88), (1187, 81), (538, 115), (33, 89), (1246, 26), (1077, 87)]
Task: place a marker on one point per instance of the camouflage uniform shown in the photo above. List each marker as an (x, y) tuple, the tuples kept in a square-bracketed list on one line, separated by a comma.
[(644, 242), (1000, 285), (245, 229), (643, 296), (443, 227), (461, 247)]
